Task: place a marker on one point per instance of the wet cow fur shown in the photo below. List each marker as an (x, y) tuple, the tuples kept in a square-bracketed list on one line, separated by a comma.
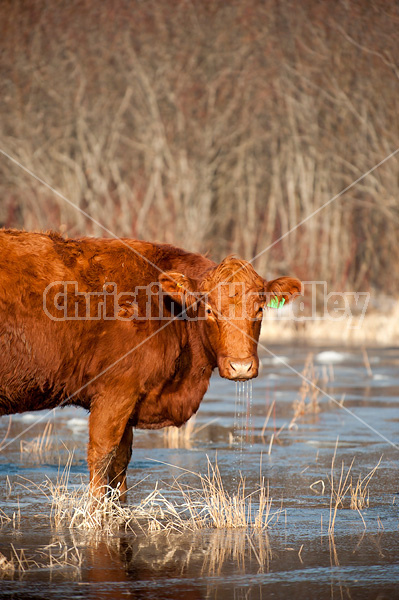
[(127, 372)]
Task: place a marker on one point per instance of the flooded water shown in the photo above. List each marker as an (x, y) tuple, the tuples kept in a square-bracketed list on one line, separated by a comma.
[(278, 427)]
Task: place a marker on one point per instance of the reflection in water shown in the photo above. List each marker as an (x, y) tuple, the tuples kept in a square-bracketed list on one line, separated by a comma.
[(206, 553), (232, 564), (213, 564), (149, 561)]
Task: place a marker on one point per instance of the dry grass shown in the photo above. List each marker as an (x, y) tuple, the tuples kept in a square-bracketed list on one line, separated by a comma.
[(338, 493), (207, 505), (179, 437), (7, 432), (308, 400), (274, 438), (224, 545), (212, 506), (54, 556), (269, 412), (359, 491), (42, 443), (345, 491), (7, 566), (183, 437), (367, 362), (4, 518), (15, 520)]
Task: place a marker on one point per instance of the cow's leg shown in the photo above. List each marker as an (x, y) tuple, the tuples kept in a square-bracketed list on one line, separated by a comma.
[(106, 430), (119, 464)]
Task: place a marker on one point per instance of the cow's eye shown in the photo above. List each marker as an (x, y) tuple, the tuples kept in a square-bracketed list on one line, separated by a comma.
[(208, 310)]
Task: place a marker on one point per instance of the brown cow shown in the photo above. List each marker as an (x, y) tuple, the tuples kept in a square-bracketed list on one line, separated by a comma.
[(127, 329)]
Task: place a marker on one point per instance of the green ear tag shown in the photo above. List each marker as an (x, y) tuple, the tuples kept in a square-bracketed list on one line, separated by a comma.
[(274, 303)]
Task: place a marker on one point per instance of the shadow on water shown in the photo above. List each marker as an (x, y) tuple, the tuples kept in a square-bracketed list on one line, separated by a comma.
[(272, 431)]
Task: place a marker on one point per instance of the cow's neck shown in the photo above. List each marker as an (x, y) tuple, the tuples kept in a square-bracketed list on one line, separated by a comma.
[(200, 360), (207, 351), (174, 400)]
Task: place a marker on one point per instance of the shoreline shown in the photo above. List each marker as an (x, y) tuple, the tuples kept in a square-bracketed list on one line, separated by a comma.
[(379, 329)]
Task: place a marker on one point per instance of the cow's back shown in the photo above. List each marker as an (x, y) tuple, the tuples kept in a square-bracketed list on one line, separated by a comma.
[(32, 347), (43, 361)]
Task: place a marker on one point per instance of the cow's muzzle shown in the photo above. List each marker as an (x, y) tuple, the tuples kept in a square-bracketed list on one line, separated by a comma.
[(238, 369)]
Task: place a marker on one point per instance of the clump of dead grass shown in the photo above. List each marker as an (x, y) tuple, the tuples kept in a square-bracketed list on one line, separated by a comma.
[(183, 437), (195, 507), (359, 490), (345, 490), (42, 443), (3, 441), (309, 393), (211, 505)]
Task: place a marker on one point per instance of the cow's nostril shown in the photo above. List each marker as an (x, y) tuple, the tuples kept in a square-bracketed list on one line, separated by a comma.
[(241, 368)]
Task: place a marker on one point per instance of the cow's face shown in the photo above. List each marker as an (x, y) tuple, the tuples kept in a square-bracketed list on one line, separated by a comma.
[(229, 305)]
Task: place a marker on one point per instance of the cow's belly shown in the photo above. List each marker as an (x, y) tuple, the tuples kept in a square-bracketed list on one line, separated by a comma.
[(158, 425), (152, 417), (23, 401), (32, 399)]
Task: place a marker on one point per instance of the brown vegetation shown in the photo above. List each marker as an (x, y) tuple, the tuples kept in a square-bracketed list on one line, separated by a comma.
[(346, 491), (308, 399), (202, 503), (214, 125), (39, 445)]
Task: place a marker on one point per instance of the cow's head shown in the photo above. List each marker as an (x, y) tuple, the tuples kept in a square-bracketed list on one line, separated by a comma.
[(229, 303)]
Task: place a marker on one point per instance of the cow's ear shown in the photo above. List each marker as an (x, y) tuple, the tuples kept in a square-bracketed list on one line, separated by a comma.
[(179, 287), (281, 291)]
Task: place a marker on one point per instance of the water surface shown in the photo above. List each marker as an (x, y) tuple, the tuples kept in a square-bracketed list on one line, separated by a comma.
[(296, 557)]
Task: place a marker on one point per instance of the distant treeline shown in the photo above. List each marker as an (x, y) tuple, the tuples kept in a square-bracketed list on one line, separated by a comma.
[(216, 125)]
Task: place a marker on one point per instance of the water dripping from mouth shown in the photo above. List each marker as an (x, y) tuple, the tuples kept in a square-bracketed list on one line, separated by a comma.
[(248, 426), (237, 434), (242, 421)]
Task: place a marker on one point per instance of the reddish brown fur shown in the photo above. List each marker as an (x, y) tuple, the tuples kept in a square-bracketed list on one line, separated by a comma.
[(162, 369)]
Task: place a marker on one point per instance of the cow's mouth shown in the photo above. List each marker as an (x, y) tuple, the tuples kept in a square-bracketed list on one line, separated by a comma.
[(238, 369)]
